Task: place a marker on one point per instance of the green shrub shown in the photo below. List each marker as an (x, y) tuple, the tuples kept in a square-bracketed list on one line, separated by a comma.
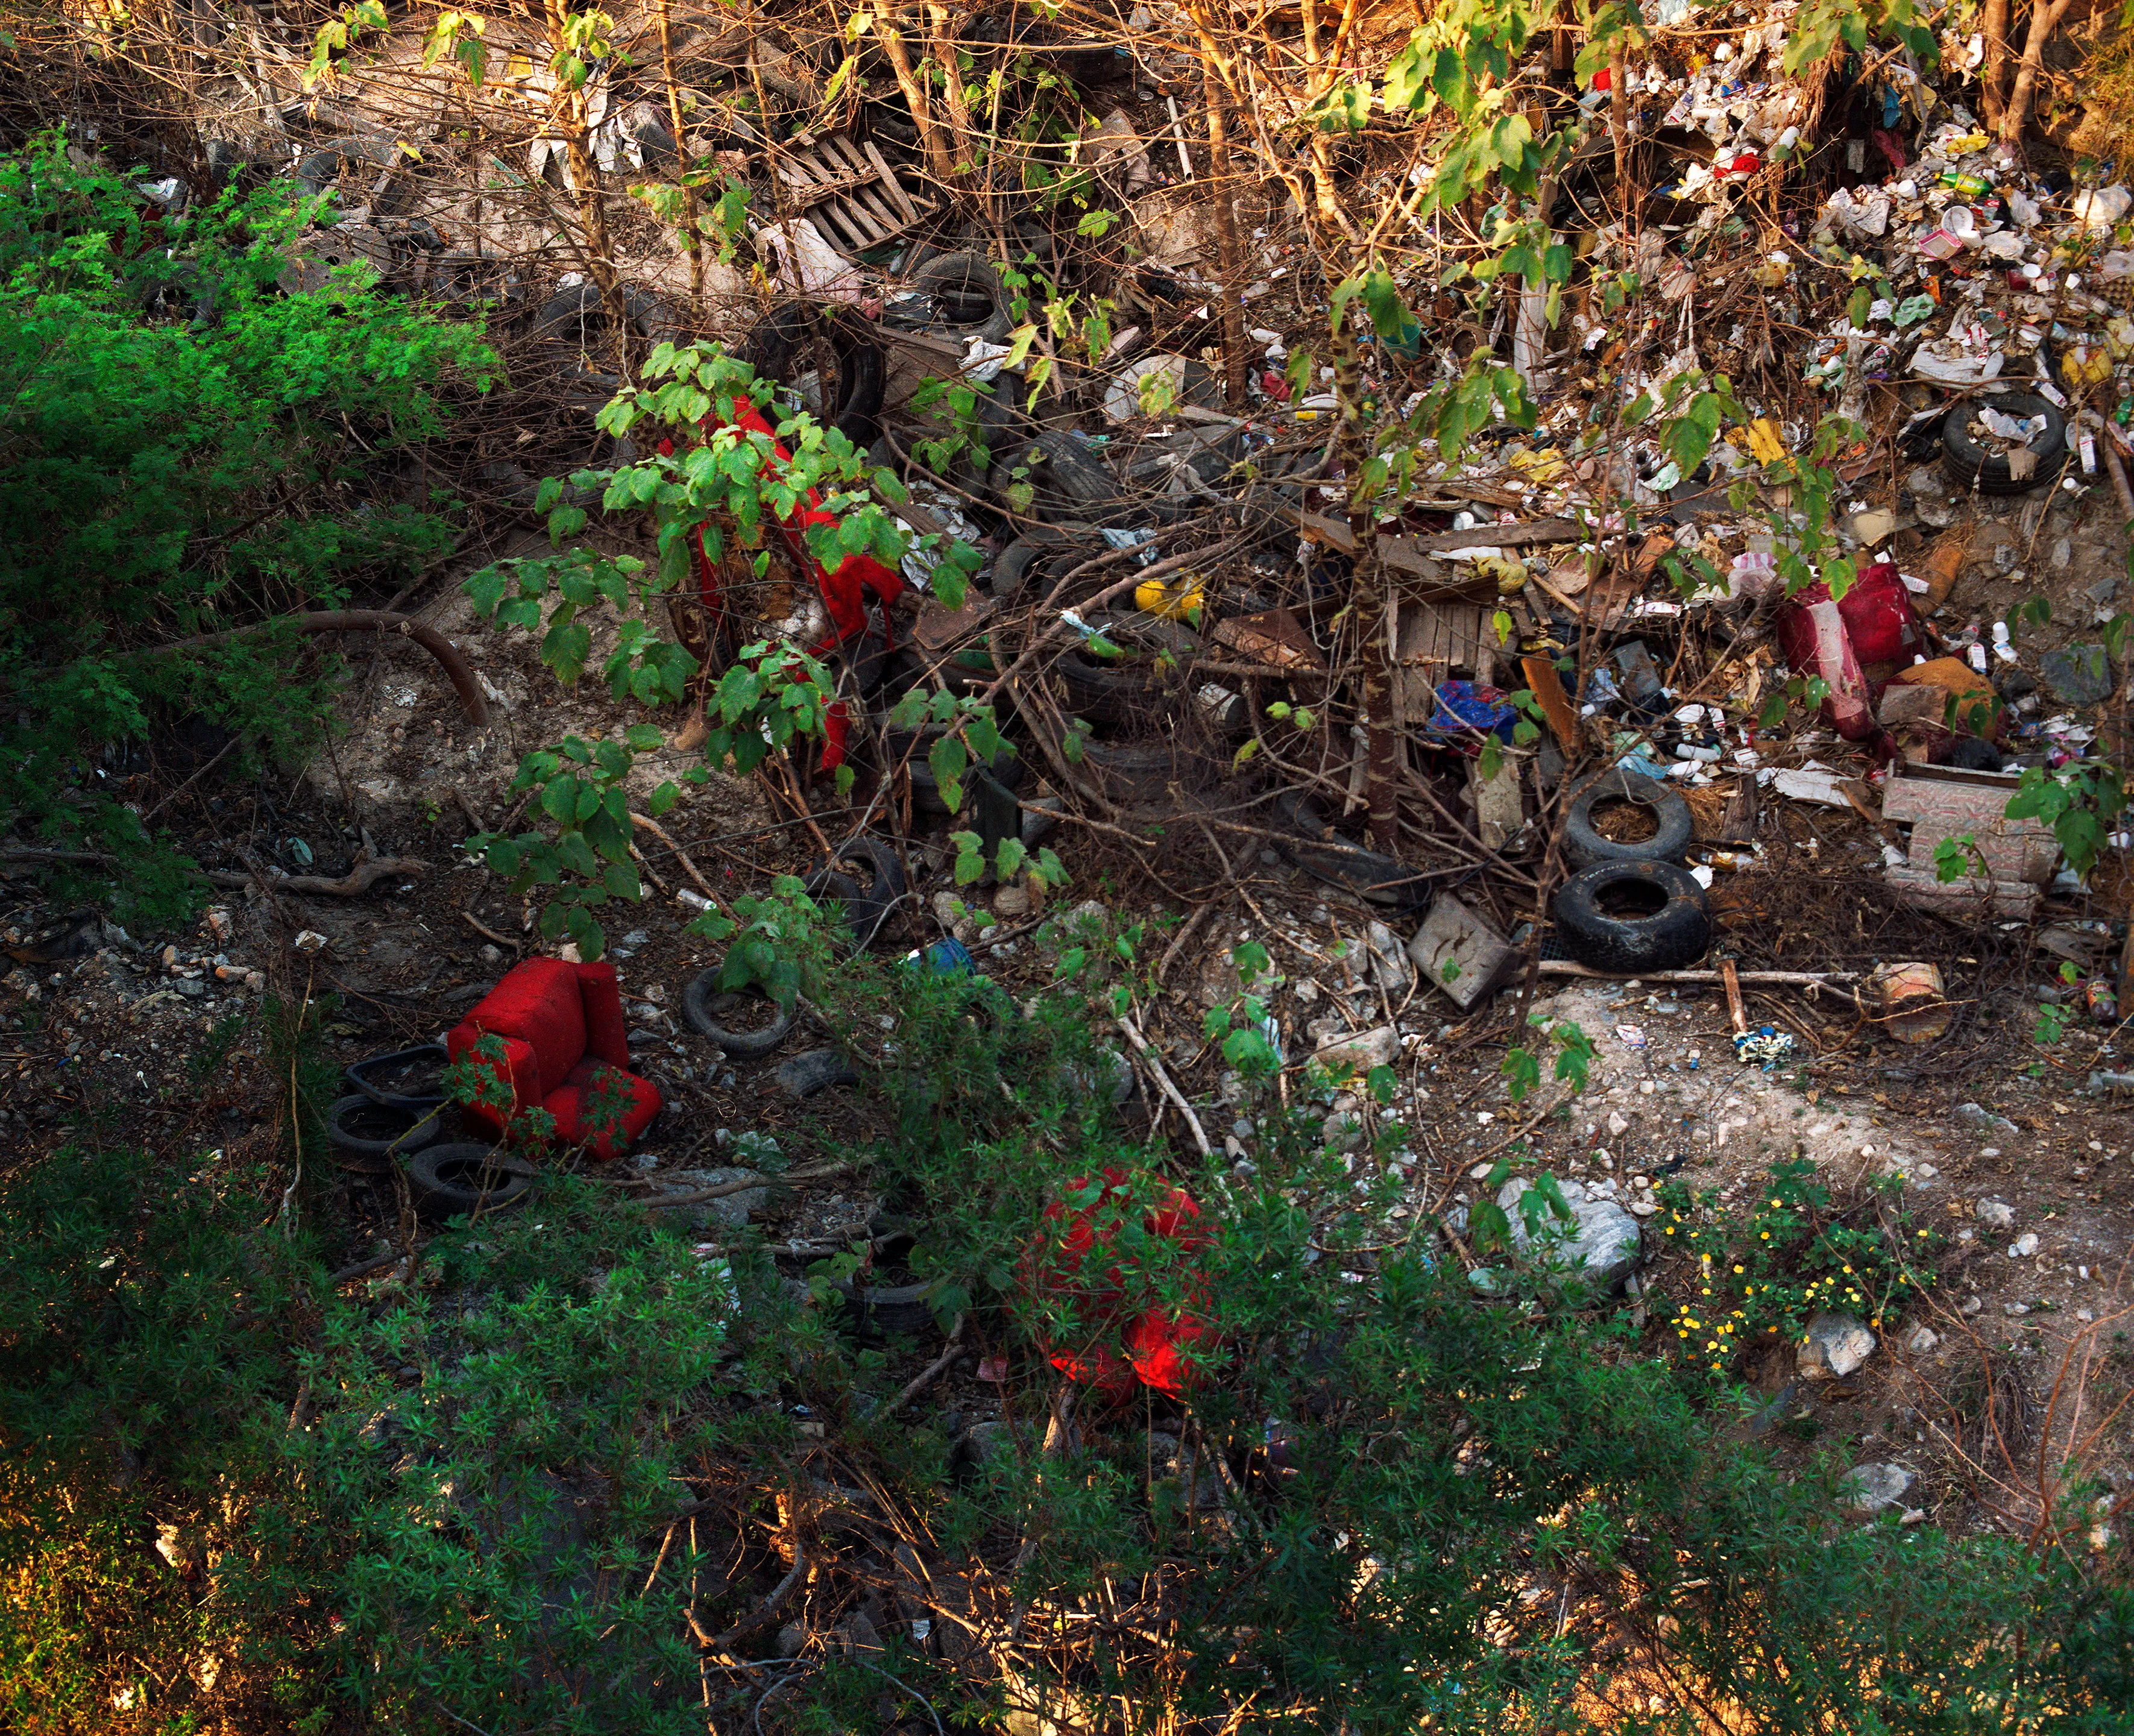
[(1383, 1503), (184, 449)]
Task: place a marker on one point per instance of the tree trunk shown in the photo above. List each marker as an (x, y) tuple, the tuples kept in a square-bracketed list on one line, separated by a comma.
[(952, 89), (1230, 251), (692, 238), (2044, 20), (1993, 69), (1375, 621), (571, 115), (930, 144)]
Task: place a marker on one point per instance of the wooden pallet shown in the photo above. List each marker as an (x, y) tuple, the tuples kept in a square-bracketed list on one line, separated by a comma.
[(1431, 641), (849, 190)]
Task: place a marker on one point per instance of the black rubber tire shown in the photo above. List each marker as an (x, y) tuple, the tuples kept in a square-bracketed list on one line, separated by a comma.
[(959, 284), (1672, 937), (366, 1135), (900, 1311), (1976, 468), (1037, 551), (572, 316), (1674, 829), (1068, 481), (318, 170), (359, 1076), (816, 1069), (867, 907), (1112, 695), (781, 347), (1133, 775), (448, 1180), (1314, 846), (704, 1003)]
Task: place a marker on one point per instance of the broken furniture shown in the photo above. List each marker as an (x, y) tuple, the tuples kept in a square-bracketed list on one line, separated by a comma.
[(566, 1050), (1941, 803), (849, 189)]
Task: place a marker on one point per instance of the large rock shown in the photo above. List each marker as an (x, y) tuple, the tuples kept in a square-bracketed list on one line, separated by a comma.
[(2080, 675), (1868, 1489), (1361, 1052), (1600, 1243), (1834, 1345), (731, 1210)]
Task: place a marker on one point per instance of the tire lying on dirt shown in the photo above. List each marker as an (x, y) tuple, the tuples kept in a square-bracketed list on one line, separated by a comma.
[(1987, 471), (1035, 560), (1067, 480), (460, 1178), (1673, 829), (788, 344), (713, 1012), (867, 906), (366, 1135), (1632, 918)]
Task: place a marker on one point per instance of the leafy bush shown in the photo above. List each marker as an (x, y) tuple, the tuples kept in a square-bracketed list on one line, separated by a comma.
[(1378, 1501), (1763, 1273), (188, 449)]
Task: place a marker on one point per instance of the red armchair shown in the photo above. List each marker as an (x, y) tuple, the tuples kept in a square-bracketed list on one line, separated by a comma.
[(565, 1044)]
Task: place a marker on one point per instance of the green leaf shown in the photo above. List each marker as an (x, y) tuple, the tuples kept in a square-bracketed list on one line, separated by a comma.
[(947, 761)]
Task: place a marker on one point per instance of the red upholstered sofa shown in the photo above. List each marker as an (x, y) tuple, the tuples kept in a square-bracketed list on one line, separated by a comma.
[(565, 1047)]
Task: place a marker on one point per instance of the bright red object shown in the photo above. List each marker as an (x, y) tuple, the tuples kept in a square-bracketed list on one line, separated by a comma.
[(845, 587), (1872, 625), (1150, 1347), (565, 1044)]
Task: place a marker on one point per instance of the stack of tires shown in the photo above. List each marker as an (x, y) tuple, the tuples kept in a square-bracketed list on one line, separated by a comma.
[(1631, 907), (379, 1127)]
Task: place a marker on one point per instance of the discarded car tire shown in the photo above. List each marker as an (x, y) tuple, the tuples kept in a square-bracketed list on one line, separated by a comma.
[(1631, 917), (1987, 472), (366, 1135), (1033, 561), (1113, 695), (707, 1007), (816, 1070), (867, 907), (1673, 829), (1320, 851), (460, 1178), (888, 1310), (782, 349), (364, 1076), (574, 315), (967, 295), (1067, 480)]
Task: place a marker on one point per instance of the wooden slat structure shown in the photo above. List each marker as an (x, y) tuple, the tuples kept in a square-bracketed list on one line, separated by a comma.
[(848, 190), (1433, 642)]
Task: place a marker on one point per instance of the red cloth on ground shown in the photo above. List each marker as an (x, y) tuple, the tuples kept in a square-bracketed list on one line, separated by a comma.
[(566, 1050), (1152, 1346)]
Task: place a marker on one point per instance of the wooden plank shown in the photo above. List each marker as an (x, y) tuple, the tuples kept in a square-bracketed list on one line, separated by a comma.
[(1546, 687), (863, 193), (889, 180)]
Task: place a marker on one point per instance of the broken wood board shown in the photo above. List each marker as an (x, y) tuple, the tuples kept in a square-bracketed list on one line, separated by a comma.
[(1431, 641)]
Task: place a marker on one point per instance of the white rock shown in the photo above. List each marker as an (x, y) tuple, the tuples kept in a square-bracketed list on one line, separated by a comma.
[(2024, 1247), (1600, 1243), (1361, 1052), (1997, 1213), (1868, 1489), (1836, 1345), (1923, 1339)]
